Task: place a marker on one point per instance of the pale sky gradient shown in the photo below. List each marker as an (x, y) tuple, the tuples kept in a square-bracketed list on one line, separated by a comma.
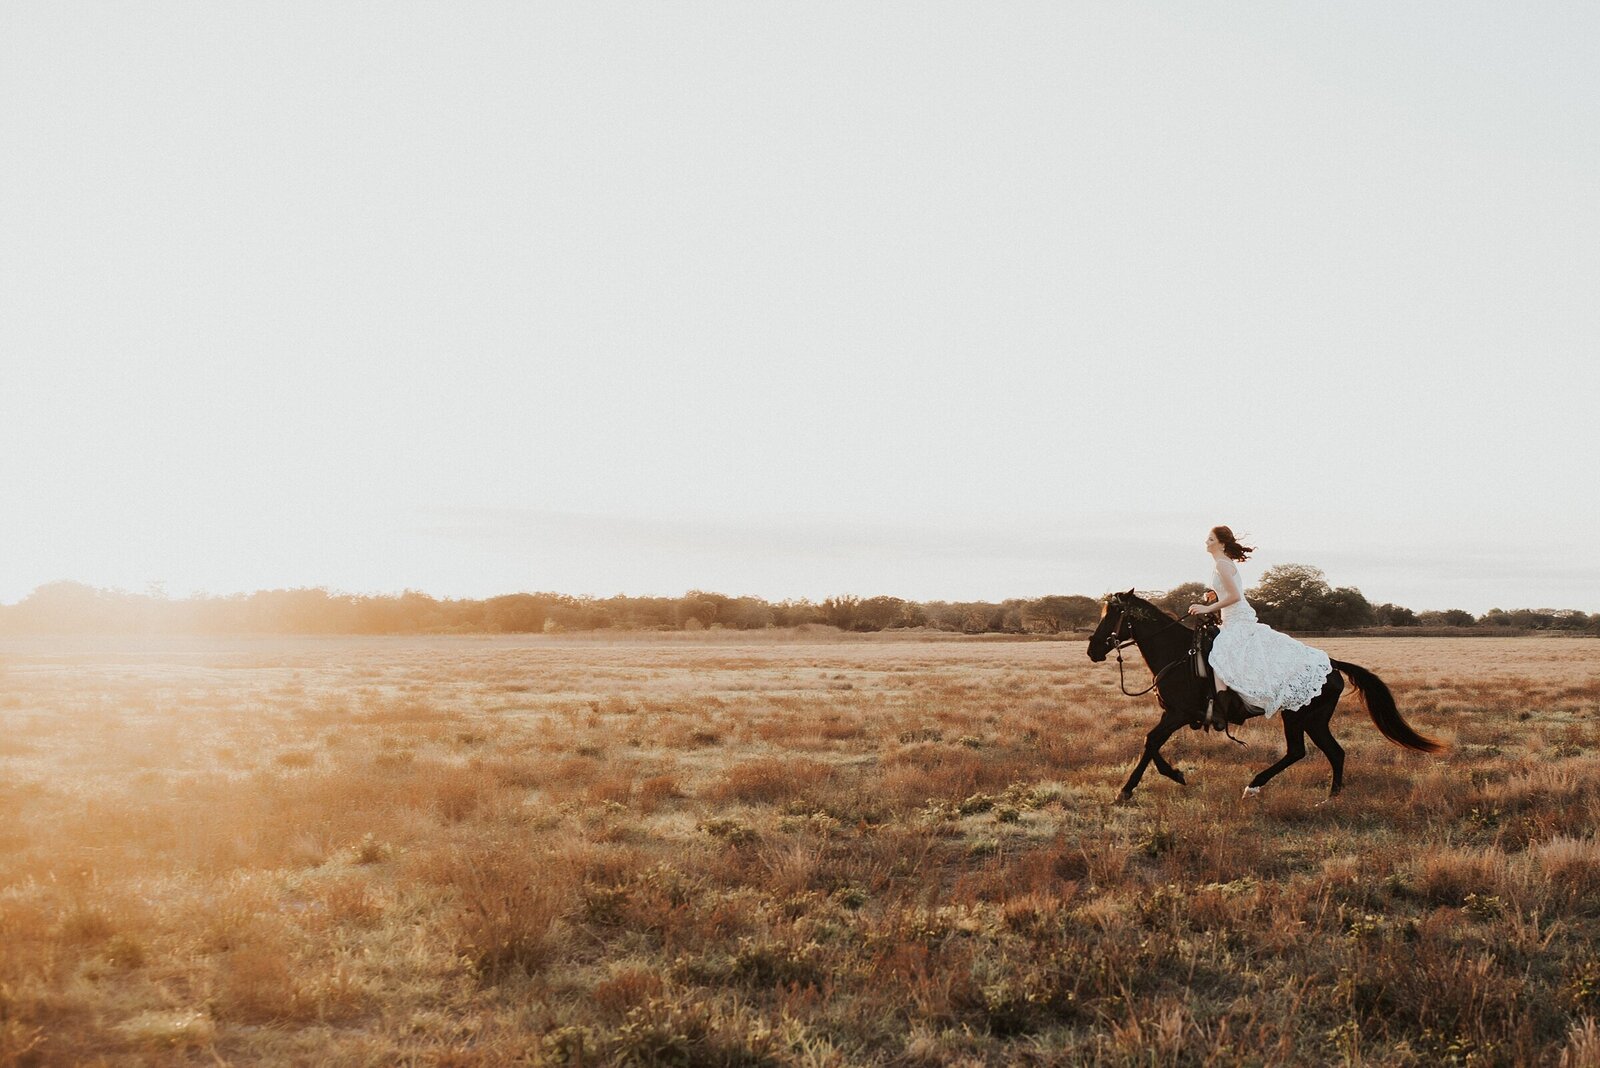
[(937, 300)]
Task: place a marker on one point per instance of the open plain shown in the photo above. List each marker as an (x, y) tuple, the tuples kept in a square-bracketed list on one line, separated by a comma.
[(790, 848)]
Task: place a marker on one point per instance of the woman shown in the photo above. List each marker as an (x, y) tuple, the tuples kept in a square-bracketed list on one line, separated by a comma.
[(1270, 671)]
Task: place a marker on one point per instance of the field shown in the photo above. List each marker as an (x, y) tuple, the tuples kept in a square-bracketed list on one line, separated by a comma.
[(792, 849)]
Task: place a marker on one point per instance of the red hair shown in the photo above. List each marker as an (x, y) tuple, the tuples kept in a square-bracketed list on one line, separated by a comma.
[(1230, 544)]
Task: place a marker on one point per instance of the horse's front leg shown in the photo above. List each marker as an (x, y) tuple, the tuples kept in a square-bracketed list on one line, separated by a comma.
[(1152, 752), (1167, 769)]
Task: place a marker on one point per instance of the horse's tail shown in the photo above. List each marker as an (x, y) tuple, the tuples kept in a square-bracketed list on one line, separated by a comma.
[(1380, 706)]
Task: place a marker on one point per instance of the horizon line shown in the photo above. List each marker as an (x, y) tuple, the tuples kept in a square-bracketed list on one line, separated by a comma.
[(193, 595)]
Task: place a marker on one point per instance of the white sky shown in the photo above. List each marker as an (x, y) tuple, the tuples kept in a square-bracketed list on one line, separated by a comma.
[(936, 300)]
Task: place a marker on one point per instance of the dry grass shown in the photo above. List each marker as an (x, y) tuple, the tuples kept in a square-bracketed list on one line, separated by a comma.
[(805, 850)]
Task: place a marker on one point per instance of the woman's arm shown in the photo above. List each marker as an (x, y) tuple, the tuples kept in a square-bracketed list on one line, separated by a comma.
[(1227, 593)]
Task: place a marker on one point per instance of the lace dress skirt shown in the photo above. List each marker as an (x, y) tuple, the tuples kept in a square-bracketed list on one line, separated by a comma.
[(1268, 669)]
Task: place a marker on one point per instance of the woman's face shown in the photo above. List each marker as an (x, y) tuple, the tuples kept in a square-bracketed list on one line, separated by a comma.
[(1212, 544)]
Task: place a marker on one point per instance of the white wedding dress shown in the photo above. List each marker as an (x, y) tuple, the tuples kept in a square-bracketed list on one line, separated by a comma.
[(1269, 670)]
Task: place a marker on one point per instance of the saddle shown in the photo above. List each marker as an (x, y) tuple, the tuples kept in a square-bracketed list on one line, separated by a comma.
[(1221, 710)]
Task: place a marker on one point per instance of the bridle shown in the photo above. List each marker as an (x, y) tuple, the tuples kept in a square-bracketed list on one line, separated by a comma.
[(1119, 643)]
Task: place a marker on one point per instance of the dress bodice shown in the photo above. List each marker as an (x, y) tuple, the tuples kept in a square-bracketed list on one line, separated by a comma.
[(1242, 611)]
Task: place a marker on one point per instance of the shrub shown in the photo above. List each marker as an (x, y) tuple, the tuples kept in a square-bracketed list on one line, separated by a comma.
[(258, 985), (1572, 868), (768, 780), (508, 907)]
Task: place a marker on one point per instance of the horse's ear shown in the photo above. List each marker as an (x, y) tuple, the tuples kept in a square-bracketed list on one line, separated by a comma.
[(1130, 591)]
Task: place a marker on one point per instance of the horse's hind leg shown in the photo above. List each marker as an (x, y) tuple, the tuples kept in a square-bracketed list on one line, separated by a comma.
[(1323, 737), (1318, 717), (1295, 735)]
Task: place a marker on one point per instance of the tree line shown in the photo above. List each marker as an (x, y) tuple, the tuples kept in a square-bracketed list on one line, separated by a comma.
[(1296, 597), (1290, 597)]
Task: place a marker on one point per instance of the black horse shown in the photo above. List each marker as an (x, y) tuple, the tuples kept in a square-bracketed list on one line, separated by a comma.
[(1166, 644)]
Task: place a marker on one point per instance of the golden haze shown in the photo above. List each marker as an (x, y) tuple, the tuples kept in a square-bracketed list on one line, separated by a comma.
[(792, 849)]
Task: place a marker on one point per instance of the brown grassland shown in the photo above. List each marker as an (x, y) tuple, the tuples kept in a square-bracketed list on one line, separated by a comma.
[(792, 849)]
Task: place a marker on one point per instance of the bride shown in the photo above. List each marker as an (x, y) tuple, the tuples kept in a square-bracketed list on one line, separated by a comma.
[(1268, 670)]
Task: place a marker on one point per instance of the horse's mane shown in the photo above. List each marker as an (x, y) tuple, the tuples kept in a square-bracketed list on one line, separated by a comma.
[(1159, 612)]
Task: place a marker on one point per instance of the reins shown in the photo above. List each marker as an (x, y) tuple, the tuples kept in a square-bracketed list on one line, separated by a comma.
[(1119, 643)]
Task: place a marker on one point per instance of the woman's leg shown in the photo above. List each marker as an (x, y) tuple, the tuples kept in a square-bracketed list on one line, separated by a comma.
[(1211, 706)]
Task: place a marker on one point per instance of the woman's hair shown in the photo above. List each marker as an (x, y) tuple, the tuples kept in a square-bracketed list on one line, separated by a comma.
[(1230, 544)]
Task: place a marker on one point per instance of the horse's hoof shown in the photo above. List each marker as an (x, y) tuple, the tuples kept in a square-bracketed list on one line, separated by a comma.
[(1249, 792), (1123, 798), (1177, 777), (1329, 800)]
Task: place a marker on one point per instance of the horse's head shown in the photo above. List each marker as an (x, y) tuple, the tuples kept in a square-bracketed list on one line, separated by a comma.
[(1120, 617), (1113, 625)]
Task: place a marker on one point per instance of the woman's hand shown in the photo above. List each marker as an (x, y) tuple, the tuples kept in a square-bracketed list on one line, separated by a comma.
[(1199, 610)]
